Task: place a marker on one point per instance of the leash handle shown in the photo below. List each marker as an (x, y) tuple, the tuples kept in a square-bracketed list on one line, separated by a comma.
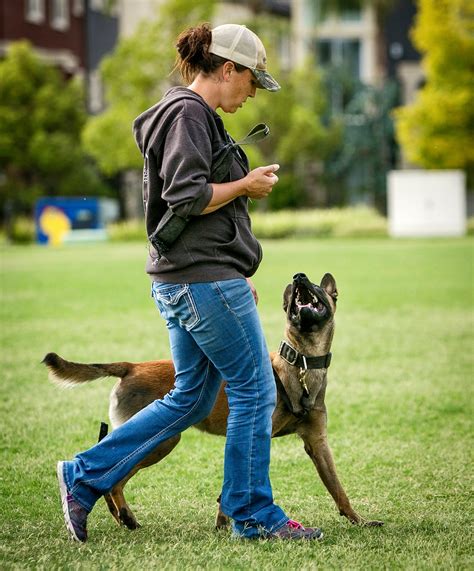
[(255, 135)]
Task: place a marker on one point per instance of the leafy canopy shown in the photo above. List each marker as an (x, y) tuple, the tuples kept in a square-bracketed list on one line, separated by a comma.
[(436, 130), (41, 118), (135, 77)]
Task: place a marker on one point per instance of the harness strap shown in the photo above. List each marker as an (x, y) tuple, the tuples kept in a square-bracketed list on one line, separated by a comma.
[(286, 399), (293, 357)]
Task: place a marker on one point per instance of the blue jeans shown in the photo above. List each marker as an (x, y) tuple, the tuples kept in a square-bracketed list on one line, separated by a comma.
[(215, 334)]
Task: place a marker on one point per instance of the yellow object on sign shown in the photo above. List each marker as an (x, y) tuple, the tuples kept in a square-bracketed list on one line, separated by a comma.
[(55, 224)]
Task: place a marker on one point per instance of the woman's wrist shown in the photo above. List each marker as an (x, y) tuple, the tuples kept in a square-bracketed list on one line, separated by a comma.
[(241, 185), (225, 192), (230, 190)]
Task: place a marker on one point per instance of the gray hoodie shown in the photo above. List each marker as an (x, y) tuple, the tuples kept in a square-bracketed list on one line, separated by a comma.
[(177, 138)]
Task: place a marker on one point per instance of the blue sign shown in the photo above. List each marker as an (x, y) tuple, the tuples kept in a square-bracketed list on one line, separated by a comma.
[(65, 219)]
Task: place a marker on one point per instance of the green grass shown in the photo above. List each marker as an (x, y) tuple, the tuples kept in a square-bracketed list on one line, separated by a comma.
[(399, 399)]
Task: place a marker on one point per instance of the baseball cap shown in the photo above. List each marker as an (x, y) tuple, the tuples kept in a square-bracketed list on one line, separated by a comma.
[(239, 44)]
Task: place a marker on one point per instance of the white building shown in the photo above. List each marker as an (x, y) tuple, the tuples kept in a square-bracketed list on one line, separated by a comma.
[(348, 39)]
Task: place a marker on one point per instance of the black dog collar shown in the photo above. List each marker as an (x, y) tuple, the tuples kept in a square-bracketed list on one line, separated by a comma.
[(291, 356)]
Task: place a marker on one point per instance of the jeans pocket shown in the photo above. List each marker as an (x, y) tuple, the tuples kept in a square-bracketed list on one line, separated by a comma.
[(175, 303)]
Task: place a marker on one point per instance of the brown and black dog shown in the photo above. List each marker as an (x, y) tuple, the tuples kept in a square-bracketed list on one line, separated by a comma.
[(300, 369)]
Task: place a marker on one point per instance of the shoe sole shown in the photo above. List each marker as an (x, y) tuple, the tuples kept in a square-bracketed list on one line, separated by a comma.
[(301, 538), (64, 493), (237, 537)]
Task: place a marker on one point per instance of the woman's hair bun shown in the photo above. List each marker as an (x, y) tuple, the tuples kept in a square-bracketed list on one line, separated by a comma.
[(193, 51)]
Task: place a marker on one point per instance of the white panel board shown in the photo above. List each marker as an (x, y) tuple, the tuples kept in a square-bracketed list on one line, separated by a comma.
[(426, 203)]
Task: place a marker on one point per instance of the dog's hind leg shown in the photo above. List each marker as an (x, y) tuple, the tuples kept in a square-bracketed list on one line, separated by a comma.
[(118, 506), (112, 508), (222, 521), (104, 428), (116, 502), (313, 433)]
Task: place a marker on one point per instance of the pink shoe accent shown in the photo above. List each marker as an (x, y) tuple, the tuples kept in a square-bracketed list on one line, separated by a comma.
[(294, 524)]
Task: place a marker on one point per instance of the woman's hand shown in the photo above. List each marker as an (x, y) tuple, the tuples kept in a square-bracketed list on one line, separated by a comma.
[(253, 290), (259, 182)]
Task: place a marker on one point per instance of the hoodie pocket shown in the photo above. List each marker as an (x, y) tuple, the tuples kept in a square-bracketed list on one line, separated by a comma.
[(243, 250)]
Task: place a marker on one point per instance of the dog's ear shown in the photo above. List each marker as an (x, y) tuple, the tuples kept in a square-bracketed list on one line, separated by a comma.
[(286, 297), (328, 283)]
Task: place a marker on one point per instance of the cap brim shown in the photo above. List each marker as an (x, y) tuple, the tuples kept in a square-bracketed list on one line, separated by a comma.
[(265, 80)]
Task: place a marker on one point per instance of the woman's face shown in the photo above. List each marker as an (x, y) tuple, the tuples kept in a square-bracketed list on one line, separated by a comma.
[(237, 87)]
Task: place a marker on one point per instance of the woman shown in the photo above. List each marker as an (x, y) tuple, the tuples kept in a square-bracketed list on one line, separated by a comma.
[(202, 290)]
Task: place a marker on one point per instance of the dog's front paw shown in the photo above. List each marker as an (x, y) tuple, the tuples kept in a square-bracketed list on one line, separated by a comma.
[(128, 519), (222, 521), (373, 523), (356, 519)]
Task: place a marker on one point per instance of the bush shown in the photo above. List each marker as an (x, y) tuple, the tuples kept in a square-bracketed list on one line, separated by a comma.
[(22, 232), (290, 193), (127, 231), (357, 222), (470, 226)]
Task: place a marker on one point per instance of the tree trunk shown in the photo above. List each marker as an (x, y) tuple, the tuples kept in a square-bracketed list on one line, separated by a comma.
[(131, 195)]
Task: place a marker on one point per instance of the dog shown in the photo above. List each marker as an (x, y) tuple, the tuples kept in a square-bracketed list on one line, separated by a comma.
[(300, 369)]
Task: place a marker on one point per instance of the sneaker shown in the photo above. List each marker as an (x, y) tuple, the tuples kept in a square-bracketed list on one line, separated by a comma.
[(75, 516), (294, 530)]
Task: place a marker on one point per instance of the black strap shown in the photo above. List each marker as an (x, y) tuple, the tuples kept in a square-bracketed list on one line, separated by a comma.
[(223, 158), (104, 429), (286, 399), (291, 356)]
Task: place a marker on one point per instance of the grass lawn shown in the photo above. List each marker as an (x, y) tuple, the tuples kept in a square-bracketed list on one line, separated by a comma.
[(399, 399)]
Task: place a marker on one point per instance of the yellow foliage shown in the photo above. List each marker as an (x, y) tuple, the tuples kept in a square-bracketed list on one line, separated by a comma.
[(436, 130)]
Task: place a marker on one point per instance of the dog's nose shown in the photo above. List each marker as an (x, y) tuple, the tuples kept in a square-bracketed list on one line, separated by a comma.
[(299, 277)]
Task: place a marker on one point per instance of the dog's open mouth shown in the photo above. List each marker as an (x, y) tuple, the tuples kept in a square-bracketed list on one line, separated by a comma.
[(307, 299), (308, 305)]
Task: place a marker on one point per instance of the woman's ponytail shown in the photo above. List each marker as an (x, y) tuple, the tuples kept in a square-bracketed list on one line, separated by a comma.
[(193, 52)]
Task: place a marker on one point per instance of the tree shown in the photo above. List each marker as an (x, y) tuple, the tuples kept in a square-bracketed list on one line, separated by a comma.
[(366, 155), (135, 77), (41, 117), (436, 130)]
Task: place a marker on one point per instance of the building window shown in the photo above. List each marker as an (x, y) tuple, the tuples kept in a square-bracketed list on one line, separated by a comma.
[(97, 5), (340, 53), (34, 11), (59, 14), (78, 8)]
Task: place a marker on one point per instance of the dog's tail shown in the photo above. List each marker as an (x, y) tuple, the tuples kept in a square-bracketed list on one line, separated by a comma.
[(67, 373)]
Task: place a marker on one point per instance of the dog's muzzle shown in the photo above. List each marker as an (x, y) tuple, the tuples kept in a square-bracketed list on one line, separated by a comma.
[(308, 304)]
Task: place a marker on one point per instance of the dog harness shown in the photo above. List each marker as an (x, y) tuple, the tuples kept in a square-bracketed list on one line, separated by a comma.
[(304, 362)]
